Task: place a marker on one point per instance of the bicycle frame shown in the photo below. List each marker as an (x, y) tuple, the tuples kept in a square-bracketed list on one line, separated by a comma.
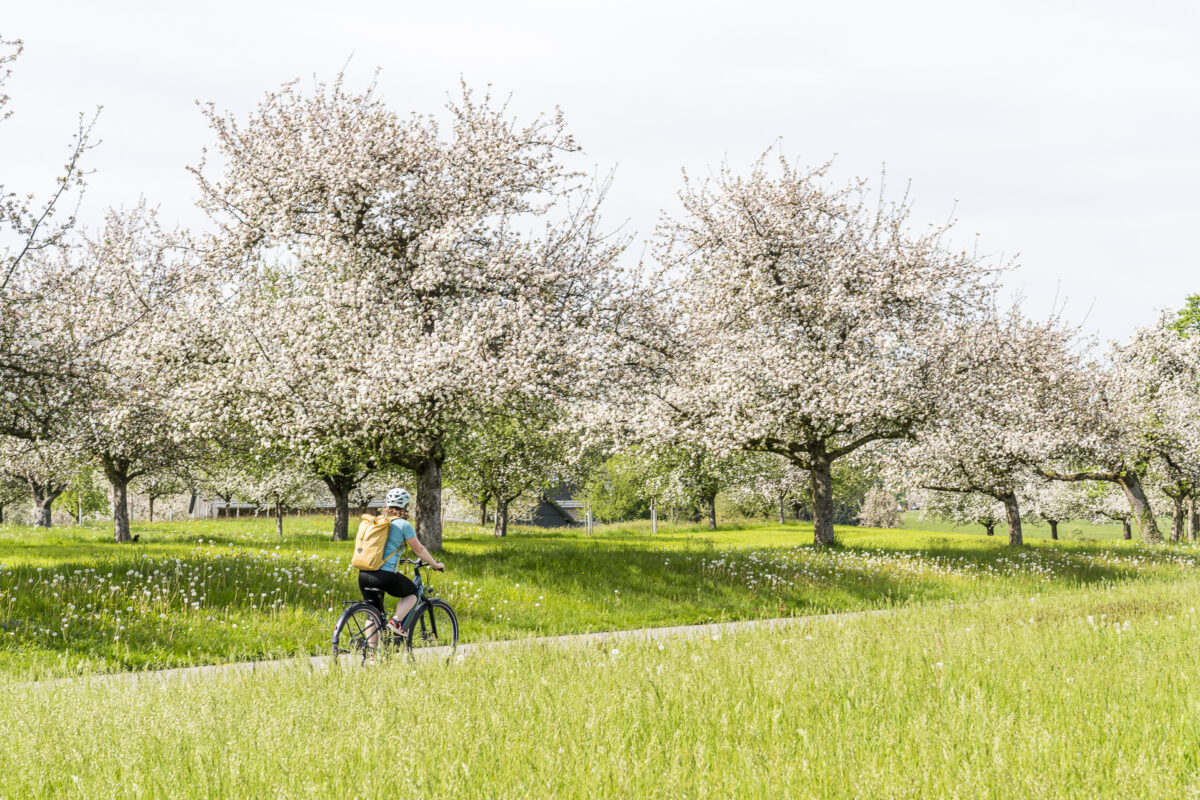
[(422, 595)]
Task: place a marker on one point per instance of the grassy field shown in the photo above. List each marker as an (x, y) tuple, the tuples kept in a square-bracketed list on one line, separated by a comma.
[(73, 602), (1081, 693)]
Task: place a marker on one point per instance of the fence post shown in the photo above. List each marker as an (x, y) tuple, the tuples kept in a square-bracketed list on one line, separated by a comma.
[(653, 516)]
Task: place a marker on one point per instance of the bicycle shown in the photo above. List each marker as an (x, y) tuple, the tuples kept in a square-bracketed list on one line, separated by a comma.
[(361, 632)]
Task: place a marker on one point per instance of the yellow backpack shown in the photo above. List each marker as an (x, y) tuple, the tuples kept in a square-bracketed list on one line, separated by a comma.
[(370, 540)]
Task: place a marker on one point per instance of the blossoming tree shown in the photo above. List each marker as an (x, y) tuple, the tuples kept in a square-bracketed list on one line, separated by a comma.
[(519, 448), (156, 486), (1139, 408), (1057, 501), (218, 468), (879, 509), (35, 357), (1106, 504), (690, 475), (43, 468), (986, 431), (131, 411), (964, 508), (11, 491), (810, 321), (769, 485), (414, 274), (276, 484), (1167, 387)]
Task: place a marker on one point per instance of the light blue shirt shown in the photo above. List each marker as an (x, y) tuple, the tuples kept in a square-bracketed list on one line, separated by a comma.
[(399, 532)]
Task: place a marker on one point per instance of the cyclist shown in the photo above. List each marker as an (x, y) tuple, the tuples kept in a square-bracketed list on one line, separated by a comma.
[(387, 578)]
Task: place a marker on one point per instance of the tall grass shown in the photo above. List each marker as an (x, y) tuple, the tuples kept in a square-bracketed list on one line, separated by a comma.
[(1086, 693)]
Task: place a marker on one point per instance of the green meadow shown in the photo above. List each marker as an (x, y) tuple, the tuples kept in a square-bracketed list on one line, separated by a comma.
[(73, 602)]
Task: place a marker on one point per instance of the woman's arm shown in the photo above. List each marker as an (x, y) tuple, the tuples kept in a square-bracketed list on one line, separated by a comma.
[(423, 554)]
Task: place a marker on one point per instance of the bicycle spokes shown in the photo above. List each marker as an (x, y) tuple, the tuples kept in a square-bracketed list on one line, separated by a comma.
[(358, 637), (434, 627)]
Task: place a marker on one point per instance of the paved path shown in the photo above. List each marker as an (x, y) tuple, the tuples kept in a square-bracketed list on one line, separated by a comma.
[(466, 650)]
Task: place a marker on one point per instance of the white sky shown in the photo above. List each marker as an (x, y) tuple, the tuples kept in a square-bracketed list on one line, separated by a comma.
[(1067, 133)]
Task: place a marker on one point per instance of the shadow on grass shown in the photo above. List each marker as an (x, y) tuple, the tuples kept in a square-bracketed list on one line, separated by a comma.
[(641, 571)]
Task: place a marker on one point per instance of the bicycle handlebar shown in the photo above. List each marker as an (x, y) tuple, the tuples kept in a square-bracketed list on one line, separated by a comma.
[(417, 562)]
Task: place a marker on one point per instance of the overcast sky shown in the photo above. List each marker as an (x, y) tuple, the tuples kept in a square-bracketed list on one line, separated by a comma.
[(1067, 133)]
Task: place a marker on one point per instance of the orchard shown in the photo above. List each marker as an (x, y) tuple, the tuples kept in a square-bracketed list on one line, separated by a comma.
[(435, 299)]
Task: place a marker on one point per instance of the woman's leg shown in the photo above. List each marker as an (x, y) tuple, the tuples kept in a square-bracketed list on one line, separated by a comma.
[(403, 607), (400, 586), (369, 580)]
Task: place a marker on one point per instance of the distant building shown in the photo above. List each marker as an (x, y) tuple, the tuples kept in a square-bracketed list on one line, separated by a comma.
[(557, 509), (202, 507)]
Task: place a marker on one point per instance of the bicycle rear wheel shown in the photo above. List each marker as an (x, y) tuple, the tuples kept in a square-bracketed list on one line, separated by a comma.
[(357, 636), (434, 626)]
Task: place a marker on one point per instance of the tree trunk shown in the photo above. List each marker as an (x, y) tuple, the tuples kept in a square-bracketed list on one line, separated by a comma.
[(1, 513), (42, 516), (279, 519), (1142, 513), (1193, 518), (43, 495), (991, 528), (118, 479), (341, 516), (781, 508), (340, 486), (1053, 528), (710, 505), (151, 499), (1126, 528), (822, 492), (429, 503), (483, 504), (1013, 512), (1178, 517), (501, 517)]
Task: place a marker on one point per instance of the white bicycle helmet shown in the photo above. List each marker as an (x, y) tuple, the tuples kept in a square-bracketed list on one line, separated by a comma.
[(397, 498)]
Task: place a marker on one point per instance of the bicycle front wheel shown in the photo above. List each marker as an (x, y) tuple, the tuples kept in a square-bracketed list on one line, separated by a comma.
[(435, 626), (357, 636)]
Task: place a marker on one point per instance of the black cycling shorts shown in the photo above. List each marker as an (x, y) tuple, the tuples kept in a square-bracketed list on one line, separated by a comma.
[(393, 583)]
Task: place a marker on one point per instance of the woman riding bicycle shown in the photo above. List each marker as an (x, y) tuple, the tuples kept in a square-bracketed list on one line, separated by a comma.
[(387, 578)]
